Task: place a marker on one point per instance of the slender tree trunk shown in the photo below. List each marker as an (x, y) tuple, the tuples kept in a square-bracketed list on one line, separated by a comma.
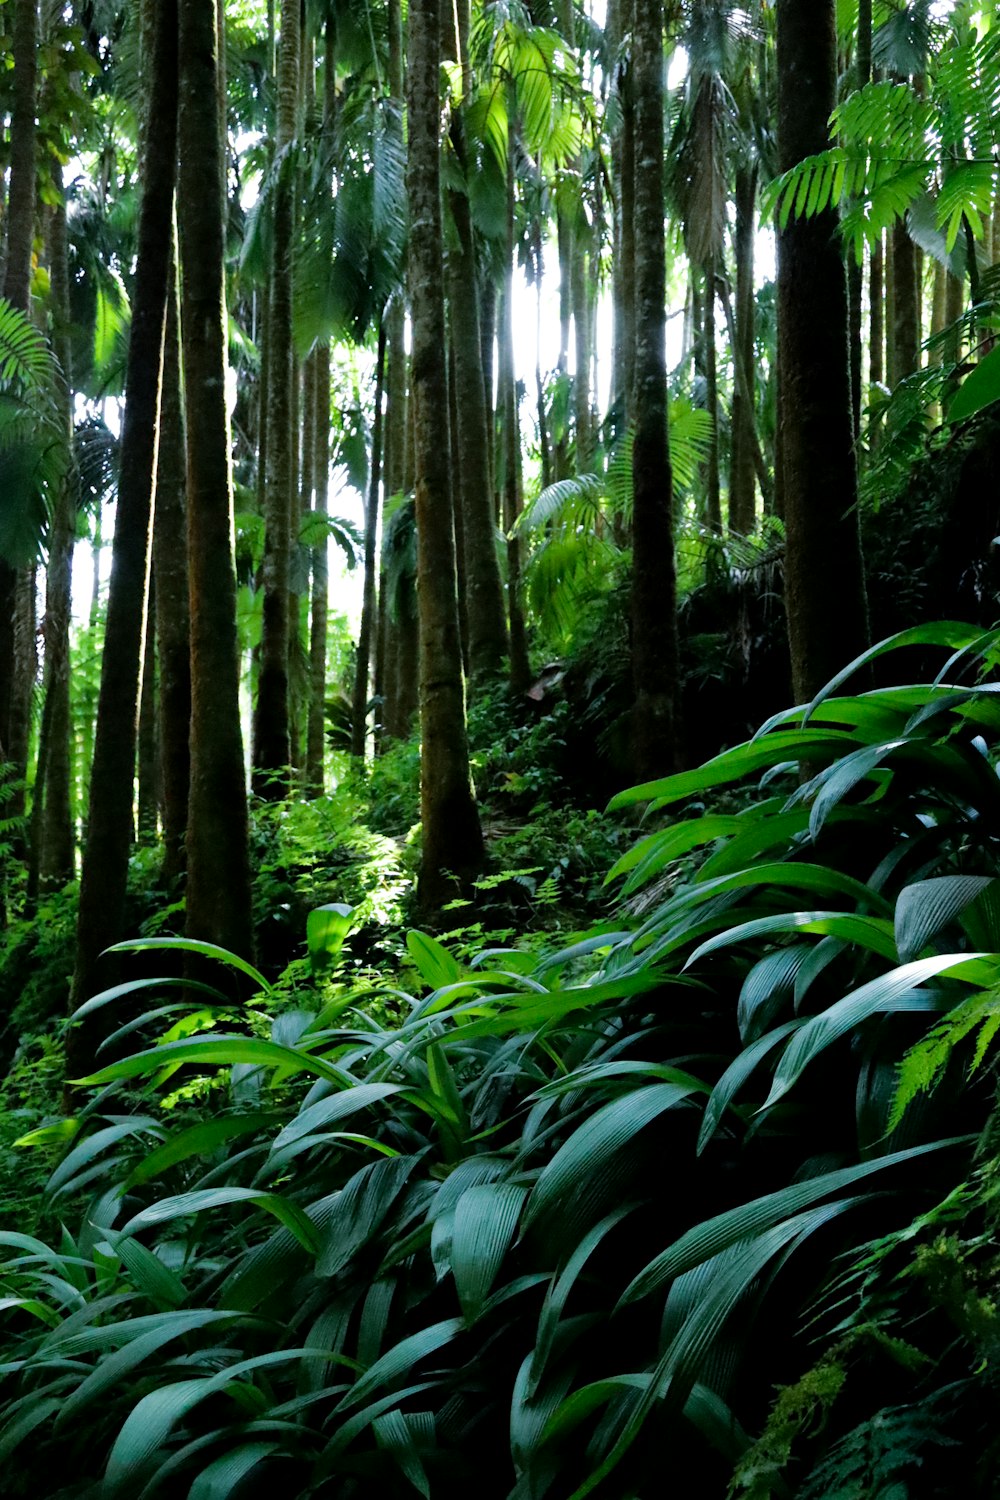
[(17, 289), (654, 621), (452, 839), (876, 299), (713, 496), (112, 783), (488, 340), (824, 577), (218, 879), (625, 330), (55, 842), (741, 474), (271, 741), (905, 304), (170, 572), (483, 586), (148, 801), (855, 268), (889, 283), (359, 716), (320, 604), (520, 667), (582, 415)]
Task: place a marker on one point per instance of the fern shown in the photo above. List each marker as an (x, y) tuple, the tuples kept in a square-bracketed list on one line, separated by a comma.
[(924, 1064), (892, 146)]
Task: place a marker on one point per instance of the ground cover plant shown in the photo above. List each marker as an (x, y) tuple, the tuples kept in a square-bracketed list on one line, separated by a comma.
[(554, 1214)]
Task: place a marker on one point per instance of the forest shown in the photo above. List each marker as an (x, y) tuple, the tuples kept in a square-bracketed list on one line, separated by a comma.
[(499, 747)]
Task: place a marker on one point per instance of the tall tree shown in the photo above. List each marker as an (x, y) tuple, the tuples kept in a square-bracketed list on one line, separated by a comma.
[(824, 575), (170, 572), (271, 737), (218, 879), (452, 838), (55, 834), (17, 290), (112, 781), (654, 585), (487, 627)]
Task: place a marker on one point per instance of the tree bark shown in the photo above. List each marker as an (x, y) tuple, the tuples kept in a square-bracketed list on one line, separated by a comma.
[(905, 304), (271, 737), (148, 798), (170, 573), (713, 490), (654, 587), (876, 296), (218, 881), (112, 782), (824, 577), (362, 670), (452, 838), (520, 667), (14, 712), (742, 500), (55, 840), (319, 603), (487, 627)]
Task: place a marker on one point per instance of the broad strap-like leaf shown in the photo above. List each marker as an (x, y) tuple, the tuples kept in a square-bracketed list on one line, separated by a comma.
[(485, 1224)]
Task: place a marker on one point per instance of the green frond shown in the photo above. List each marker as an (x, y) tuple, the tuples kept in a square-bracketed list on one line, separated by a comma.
[(568, 502)]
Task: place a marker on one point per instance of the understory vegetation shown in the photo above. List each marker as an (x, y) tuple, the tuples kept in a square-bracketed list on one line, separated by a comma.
[(713, 1176)]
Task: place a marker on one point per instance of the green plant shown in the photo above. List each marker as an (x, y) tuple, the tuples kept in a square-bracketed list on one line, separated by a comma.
[(520, 1230)]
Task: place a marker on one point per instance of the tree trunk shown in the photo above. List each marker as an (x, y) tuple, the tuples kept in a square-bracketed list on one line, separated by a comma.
[(148, 801), (17, 290), (654, 586), (742, 501), (905, 304), (487, 627), (362, 670), (876, 295), (112, 782), (170, 572), (452, 838), (320, 602), (55, 842), (824, 577), (271, 737), (713, 496), (218, 881), (520, 667), (855, 268)]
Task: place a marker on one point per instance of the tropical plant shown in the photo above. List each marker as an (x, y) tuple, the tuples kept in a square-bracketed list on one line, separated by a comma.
[(473, 1224)]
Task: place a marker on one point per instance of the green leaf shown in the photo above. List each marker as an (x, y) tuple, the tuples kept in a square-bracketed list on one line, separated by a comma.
[(183, 1204), (326, 929), (978, 391), (588, 1162), (339, 1106), (221, 1049), (713, 1235), (435, 964), (227, 1472), (925, 908), (485, 1223), (192, 945), (735, 1077), (198, 1140), (359, 1211), (892, 991)]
